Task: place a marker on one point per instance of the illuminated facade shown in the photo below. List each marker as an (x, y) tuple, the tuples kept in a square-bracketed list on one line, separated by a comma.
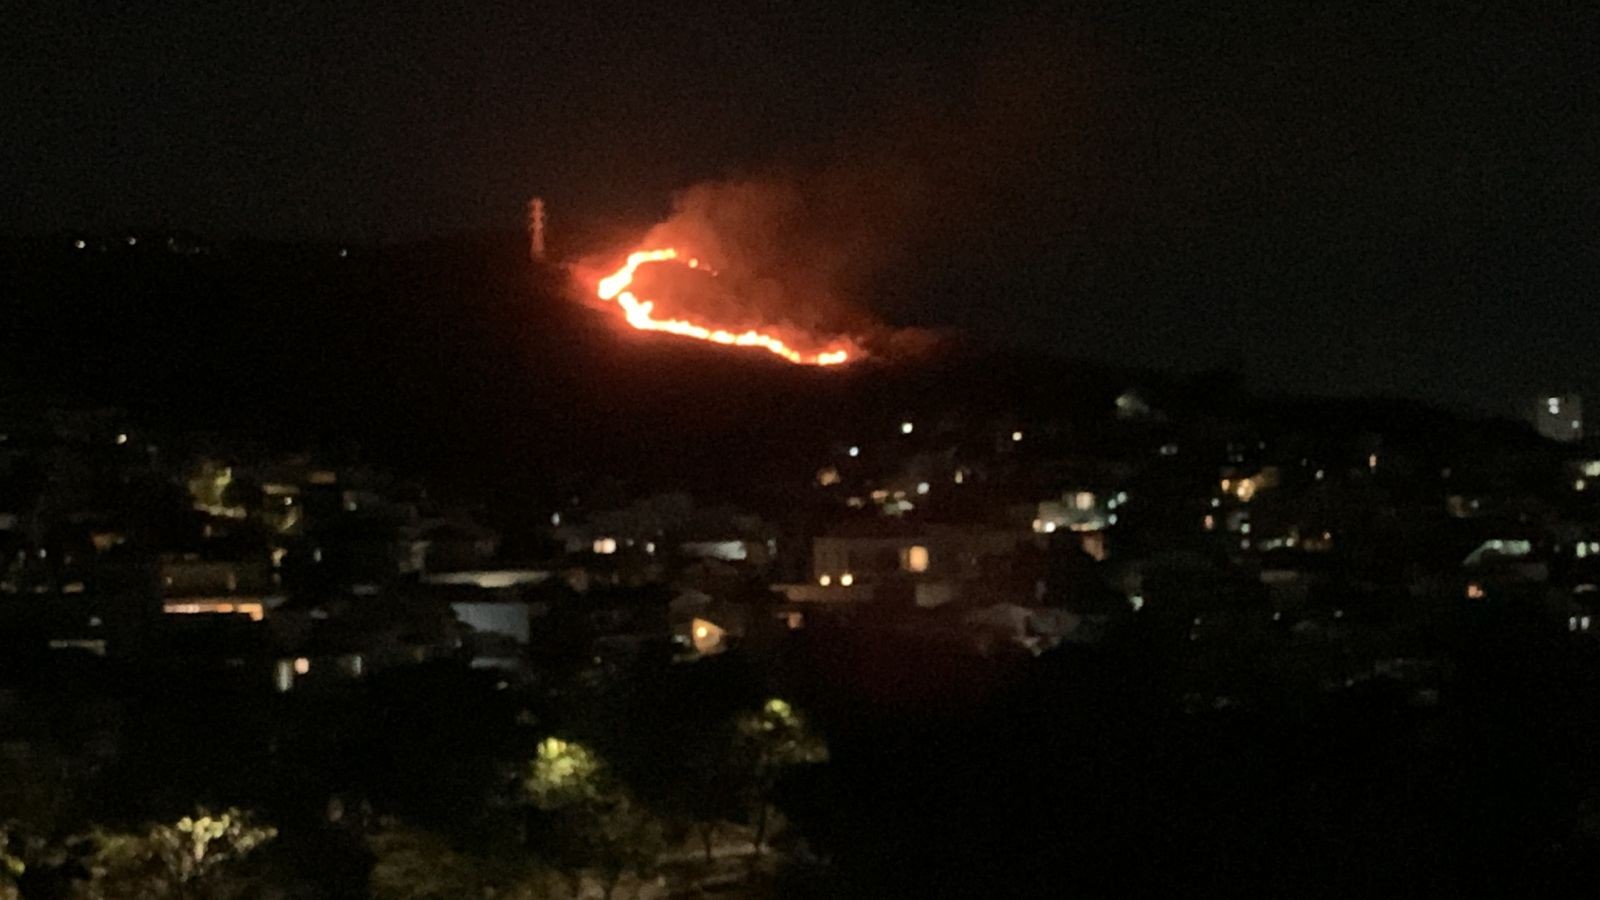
[(1559, 417)]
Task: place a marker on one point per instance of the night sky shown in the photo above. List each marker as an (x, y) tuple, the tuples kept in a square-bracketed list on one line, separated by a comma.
[(1383, 201)]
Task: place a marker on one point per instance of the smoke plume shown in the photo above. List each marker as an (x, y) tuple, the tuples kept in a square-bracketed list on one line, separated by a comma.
[(802, 250)]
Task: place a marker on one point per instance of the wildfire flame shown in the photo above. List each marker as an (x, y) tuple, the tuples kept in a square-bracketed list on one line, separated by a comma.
[(640, 314)]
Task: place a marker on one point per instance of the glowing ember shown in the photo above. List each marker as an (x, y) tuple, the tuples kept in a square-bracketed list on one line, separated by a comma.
[(640, 314)]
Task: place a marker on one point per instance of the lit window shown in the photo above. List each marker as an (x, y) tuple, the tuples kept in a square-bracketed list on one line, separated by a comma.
[(846, 579), (917, 559), (1554, 405), (825, 580), (555, 520), (1016, 436), (922, 487), (855, 451), (302, 666), (1210, 522), (1084, 500), (907, 427), (80, 244), (1474, 591), (605, 546), (1049, 528), (122, 439), (960, 476), (283, 675), (650, 547)]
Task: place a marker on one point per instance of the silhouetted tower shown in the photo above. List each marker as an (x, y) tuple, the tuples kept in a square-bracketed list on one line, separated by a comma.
[(536, 229)]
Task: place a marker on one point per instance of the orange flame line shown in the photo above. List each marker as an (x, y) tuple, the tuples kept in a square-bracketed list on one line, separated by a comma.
[(638, 314)]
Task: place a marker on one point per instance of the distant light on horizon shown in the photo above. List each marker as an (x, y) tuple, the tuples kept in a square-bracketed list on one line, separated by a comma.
[(907, 427)]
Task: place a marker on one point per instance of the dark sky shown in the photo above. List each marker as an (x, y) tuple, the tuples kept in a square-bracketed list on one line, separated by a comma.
[(1386, 200)]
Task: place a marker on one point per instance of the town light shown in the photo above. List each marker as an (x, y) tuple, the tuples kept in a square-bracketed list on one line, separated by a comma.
[(846, 579)]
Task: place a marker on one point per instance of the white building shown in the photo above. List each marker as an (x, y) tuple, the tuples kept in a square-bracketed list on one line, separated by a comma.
[(1559, 417)]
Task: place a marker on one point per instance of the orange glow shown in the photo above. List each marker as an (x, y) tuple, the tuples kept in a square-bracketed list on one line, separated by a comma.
[(204, 606), (639, 313)]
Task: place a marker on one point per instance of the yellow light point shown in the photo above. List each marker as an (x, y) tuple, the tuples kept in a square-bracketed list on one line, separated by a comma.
[(640, 314)]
